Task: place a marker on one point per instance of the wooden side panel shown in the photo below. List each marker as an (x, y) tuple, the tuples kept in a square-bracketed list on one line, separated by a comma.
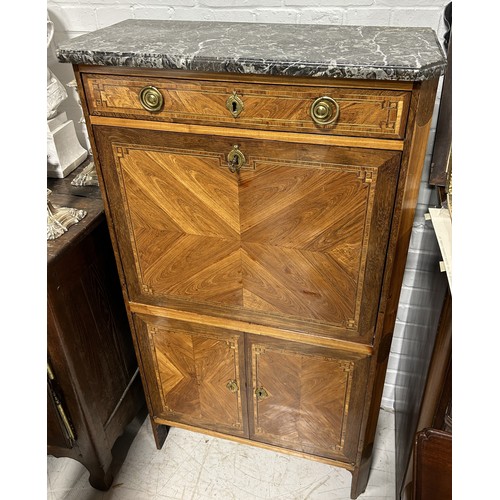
[(363, 112), (412, 162), (91, 324), (304, 398), (299, 234), (199, 372), (433, 465)]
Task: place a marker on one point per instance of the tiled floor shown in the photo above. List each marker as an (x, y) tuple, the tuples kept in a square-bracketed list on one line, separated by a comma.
[(192, 466)]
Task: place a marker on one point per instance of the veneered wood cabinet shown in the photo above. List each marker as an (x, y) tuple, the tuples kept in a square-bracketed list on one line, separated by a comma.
[(261, 254)]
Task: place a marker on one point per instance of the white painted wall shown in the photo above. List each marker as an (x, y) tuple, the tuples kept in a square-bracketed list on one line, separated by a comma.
[(76, 17)]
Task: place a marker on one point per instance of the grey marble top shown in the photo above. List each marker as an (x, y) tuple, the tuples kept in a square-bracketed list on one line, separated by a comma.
[(367, 52)]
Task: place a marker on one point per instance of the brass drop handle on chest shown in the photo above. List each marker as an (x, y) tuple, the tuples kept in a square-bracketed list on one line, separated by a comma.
[(235, 159), (324, 110), (151, 98)]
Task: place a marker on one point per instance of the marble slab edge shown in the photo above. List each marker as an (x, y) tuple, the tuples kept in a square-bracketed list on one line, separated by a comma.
[(336, 51), (260, 67)]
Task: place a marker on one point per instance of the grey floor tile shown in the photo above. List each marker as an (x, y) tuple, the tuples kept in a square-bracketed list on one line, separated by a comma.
[(192, 466)]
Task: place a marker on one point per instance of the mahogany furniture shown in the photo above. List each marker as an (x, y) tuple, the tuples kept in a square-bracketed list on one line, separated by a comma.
[(260, 221), (93, 387), (432, 466)]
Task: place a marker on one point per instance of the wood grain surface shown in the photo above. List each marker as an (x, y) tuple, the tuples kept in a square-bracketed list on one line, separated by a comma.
[(363, 112), (193, 366), (290, 236), (310, 403)]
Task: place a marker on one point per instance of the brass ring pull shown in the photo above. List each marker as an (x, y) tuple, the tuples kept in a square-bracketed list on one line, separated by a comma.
[(151, 98), (324, 110), (232, 386), (261, 393), (235, 159)]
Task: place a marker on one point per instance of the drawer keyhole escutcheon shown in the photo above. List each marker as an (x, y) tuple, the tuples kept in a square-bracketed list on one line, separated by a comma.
[(235, 159), (232, 386), (234, 104), (151, 98), (261, 393), (324, 110)]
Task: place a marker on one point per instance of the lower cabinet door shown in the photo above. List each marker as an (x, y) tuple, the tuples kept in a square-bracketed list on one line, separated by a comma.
[(306, 398), (195, 373)]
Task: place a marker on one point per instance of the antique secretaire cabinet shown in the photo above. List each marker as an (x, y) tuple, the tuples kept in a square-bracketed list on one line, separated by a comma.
[(260, 184)]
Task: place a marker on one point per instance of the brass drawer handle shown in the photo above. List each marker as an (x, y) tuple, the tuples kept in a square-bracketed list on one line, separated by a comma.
[(232, 386), (234, 104), (235, 159), (324, 110), (151, 98), (261, 393)]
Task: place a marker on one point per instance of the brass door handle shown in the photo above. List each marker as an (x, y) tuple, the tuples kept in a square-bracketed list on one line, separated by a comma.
[(235, 159), (324, 110), (232, 385), (151, 98)]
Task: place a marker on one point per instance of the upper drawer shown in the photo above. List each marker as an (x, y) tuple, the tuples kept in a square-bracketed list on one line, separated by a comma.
[(361, 112)]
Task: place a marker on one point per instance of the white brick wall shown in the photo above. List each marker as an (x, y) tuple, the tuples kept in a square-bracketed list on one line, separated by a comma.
[(75, 17)]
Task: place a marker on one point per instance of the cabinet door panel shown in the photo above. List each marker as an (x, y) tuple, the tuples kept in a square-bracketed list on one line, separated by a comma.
[(296, 239), (199, 374), (306, 398)]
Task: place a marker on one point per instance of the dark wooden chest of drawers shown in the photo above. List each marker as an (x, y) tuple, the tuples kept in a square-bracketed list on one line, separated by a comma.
[(93, 388)]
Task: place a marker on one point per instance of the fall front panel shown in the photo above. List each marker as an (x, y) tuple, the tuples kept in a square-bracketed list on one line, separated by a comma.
[(297, 233)]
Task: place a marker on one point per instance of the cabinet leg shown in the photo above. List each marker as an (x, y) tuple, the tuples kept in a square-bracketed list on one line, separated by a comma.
[(160, 433), (361, 474), (100, 479)]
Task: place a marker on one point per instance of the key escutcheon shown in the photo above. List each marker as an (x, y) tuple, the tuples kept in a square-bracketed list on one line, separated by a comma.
[(261, 393), (234, 104), (235, 159)]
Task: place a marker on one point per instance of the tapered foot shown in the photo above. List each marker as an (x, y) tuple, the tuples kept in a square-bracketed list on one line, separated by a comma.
[(100, 479), (160, 433), (361, 474)]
